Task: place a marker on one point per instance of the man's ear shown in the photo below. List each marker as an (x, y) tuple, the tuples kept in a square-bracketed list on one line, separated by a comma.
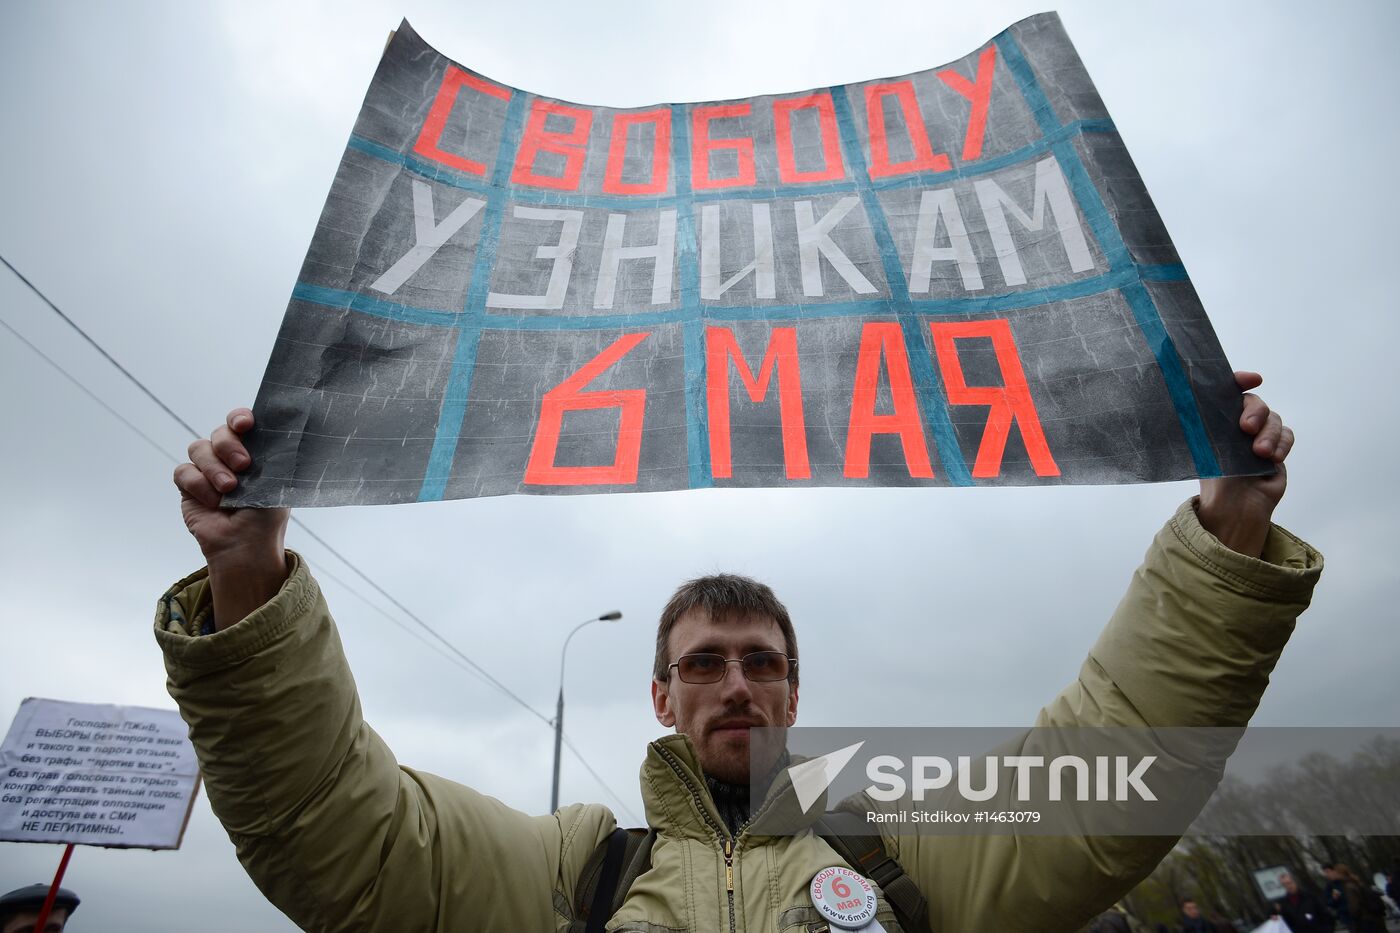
[(661, 703), (792, 705)]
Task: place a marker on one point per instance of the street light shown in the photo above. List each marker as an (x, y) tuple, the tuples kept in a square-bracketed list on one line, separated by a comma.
[(559, 709)]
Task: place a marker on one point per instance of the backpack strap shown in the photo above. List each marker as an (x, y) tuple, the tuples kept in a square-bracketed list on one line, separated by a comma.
[(607, 876), (867, 855)]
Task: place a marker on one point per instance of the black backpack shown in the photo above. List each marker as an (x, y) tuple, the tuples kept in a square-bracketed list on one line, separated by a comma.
[(624, 856)]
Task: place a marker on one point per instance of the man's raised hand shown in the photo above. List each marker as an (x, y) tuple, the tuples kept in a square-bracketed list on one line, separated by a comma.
[(243, 547), (1238, 509)]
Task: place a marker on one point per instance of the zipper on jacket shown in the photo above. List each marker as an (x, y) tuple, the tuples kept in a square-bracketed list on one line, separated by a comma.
[(721, 832), (729, 878), (729, 866)]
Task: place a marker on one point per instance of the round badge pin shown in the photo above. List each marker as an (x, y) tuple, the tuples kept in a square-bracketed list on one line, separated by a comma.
[(843, 897)]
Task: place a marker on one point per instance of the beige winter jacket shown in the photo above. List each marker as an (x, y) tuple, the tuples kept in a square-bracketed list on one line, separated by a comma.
[(340, 836)]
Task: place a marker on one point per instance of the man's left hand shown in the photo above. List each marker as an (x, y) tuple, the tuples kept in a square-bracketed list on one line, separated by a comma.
[(1238, 509)]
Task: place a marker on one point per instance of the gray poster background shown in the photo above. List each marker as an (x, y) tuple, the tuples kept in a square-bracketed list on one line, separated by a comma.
[(433, 388)]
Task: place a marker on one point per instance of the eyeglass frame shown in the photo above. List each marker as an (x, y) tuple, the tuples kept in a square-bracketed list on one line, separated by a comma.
[(792, 667)]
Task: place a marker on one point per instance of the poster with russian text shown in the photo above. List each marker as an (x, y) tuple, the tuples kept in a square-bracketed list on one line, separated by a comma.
[(949, 278), (96, 774)]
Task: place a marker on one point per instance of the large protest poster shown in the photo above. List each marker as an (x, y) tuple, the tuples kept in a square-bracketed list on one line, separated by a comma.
[(954, 277)]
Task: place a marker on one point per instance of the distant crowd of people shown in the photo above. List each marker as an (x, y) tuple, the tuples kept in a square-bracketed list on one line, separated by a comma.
[(1343, 902)]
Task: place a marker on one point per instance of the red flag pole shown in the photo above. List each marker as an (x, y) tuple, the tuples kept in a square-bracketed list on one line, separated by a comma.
[(53, 890)]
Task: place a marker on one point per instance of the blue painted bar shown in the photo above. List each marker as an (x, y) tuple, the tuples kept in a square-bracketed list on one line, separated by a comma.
[(697, 414), (1178, 383), (1145, 311), (454, 403), (878, 307), (928, 387)]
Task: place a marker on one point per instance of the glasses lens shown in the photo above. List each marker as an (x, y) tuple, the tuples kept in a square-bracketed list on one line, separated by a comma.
[(701, 668), (765, 666)]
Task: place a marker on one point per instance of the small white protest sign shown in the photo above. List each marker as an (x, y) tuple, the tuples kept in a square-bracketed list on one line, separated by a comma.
[(1270, 881), (96, 774), (1272, 925)]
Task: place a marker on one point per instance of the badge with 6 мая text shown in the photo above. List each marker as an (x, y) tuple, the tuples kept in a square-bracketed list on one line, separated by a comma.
[(845, 899)]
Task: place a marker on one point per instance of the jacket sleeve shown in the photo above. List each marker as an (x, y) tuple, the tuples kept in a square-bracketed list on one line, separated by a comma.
[(1191, 644), (332, 830)]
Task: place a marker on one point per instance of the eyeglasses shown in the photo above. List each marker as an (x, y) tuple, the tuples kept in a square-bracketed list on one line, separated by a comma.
[(759, 667)]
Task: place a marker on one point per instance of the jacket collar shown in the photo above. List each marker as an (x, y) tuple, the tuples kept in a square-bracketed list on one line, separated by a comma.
[(678, 802)]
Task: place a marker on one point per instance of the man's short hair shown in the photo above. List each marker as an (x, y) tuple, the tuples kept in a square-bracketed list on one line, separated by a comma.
[(723, 597)]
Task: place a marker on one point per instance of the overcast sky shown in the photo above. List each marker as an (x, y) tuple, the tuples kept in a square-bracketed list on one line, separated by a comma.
[(163, 168)]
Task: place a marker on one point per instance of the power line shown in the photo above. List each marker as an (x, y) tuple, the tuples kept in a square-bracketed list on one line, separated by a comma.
[(88, 392), (98, 347), (599, 778), (476, 668), (456, 655), (451, 653)]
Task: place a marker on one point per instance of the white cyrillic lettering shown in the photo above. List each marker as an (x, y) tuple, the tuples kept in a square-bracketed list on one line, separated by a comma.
[(562, 253), (933, 205), (663, 252), (428, 234), (762, 266), (814, 239), (1050, 187)]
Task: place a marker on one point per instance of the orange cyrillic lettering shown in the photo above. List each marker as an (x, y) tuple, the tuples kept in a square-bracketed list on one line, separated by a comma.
[(979, 92), (702, 145), (887, 340), (1010, 401), (924, 159), (430, 136), (568, 396), (573, 146), (720, 348)]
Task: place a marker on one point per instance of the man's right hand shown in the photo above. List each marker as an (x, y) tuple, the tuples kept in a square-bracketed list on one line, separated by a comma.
[(243, 547)]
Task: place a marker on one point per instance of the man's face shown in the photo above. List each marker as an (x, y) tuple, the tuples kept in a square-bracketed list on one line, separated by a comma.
[(24, 922), (1191, 910), (1288, 883), (717, 717)]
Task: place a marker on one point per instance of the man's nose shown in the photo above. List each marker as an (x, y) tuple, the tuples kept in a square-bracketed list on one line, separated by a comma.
[(735, 683)]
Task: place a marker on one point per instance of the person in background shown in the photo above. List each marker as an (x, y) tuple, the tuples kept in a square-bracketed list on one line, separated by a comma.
[(19, 910), (1302, 911), (1191, 919), (1364, 904), (1336, 895)]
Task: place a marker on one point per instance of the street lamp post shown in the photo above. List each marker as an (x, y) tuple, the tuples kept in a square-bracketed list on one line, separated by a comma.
[(559, 708)]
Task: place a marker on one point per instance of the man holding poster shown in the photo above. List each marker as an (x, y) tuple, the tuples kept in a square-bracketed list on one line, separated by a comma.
[(340, 837), (500, 309)]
